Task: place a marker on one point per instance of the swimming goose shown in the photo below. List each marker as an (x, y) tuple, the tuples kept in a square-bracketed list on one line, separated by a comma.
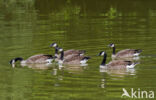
[(36, 59), (76, 59), (115, 64), (67, 53), (126, 53)]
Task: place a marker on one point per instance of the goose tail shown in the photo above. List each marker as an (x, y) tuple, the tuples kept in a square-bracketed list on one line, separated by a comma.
[(85, 59), (82, 52), (132, 65), (138, 51)]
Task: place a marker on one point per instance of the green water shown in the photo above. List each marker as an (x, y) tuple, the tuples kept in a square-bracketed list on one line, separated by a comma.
[(28, 27)]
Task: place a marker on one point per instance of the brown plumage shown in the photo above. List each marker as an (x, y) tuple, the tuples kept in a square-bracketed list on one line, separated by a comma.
[(126, 53), (36, 59), (41, 58), (74, 59), (72, 51), (118, 64), (67, 53), (115, 64)]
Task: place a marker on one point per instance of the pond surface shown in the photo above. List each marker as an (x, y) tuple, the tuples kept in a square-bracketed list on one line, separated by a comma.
[(28, 27)]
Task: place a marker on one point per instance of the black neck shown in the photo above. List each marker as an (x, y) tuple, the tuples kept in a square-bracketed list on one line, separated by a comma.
[(19, 58), (62, 55), (56, 50), (104, 59), (113, 50)]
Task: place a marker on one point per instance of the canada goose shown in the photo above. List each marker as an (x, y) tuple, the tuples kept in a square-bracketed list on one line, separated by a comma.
[(115, 64), (126, 53), (67, 53), (73, 60), (36, 59)]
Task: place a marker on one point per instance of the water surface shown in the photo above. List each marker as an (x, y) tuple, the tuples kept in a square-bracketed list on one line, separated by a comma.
[(29, 27)]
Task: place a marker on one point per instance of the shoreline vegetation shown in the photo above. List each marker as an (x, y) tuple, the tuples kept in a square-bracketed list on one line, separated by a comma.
[(80, 8)]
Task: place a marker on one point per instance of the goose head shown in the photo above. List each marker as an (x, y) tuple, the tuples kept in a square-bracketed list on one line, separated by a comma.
[(102, 53), (60, 49), (53, 45), (111, 45)]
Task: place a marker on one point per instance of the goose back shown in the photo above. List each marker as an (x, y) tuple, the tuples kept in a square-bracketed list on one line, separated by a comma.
[(75, 59), (69, 54), (118, 64), (126, 53), (72, 51), (41, 58)]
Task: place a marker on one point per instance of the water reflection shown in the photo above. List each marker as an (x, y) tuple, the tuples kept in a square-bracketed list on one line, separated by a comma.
[(118, 72), (38, 66), (115, 75)]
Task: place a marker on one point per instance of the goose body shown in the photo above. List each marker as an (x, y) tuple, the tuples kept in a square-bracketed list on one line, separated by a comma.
[(76, 59), (126, 53), (119, 64), (41, 58), (115, 64), (67, 53), (36, 59)]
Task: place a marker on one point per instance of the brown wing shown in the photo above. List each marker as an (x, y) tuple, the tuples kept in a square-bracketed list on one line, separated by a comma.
[(72, 51), (126, 53), (71, 56), (118, 64), (74, 60), (41, 58), (74, 57)]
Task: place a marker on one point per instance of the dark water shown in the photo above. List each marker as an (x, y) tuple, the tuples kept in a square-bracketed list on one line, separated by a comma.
[(28, 27)]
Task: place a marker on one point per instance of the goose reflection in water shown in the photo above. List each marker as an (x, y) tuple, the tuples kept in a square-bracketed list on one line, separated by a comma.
[(118, 72), (73, 68), (115, 74), (38, 66)]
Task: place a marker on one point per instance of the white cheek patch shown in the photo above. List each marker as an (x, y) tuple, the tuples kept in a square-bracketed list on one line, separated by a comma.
[(112, 45), (60, 50), (55, 45), (13, 61), (102, 53)]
